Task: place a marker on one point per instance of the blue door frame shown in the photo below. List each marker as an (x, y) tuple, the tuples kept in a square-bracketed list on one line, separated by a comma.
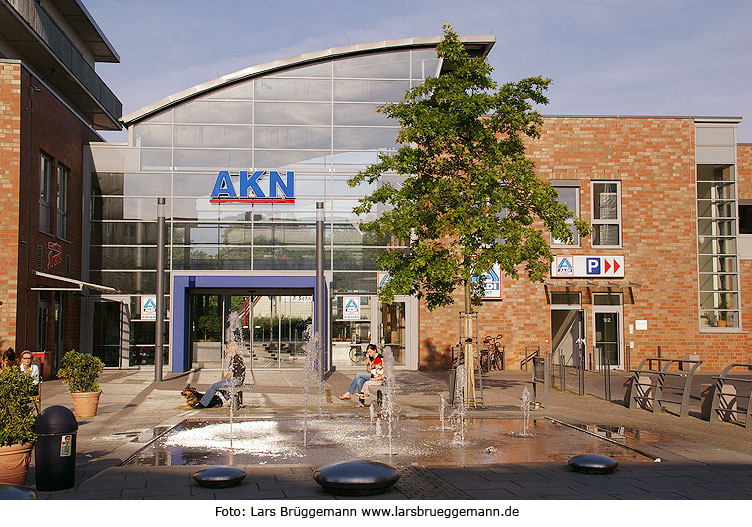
[(181, 306)]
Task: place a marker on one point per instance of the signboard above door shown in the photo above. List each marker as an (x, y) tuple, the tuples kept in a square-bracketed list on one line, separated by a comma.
[(582, 266)]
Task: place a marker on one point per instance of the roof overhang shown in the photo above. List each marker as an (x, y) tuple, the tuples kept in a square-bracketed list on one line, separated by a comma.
[(78, 16), (38, 56), (477, 46), (79, 283)]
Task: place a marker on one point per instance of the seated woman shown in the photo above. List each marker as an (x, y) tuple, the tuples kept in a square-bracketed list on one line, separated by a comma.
[(234, 377), (32, 369), (360, 378)]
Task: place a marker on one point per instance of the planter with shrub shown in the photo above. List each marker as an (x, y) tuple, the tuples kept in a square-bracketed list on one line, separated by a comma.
[(17, 419), (80, 372)]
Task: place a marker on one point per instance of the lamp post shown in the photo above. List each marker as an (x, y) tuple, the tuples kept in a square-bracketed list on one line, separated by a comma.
[(159, 328), (320, 300)]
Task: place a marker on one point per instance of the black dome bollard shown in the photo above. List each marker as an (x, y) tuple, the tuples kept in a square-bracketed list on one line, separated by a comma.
[(220, 477), (16, 492), (593, 464), (356, 477)]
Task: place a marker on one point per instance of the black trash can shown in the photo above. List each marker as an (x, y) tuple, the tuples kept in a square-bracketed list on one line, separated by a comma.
[(55, 451)]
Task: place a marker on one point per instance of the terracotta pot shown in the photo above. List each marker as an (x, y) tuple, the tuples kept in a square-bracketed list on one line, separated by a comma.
[(85, 403), (14, 463)]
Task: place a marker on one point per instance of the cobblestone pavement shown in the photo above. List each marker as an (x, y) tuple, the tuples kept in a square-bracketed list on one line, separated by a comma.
[(699, 460)]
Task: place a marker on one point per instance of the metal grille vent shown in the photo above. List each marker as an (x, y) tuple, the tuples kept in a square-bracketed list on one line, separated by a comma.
[(39, 256), (67, 266)]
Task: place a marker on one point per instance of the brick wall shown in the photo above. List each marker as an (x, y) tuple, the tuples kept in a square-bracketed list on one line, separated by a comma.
[(10, 169), (42, 124), (653, 158)]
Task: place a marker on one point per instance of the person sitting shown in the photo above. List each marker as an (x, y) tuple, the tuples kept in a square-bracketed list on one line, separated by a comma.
[(234, 377), (361, 377), (9, 358), (32, 369), (377, 375)]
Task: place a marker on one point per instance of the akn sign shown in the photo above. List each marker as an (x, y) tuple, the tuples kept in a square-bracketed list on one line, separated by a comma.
[(254, 187)]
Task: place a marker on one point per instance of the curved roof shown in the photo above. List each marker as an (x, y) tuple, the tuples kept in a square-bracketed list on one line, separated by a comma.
[(477, 45)]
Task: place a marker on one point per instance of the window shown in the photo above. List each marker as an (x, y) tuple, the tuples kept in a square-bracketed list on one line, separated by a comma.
[(716, 245), (43, 317), (745, 216), (45, 177), (63, 174), (569, 195), (606, 213)]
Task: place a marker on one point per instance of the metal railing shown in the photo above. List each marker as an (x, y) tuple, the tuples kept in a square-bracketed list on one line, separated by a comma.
[(530, 353), (51, 34), (725, 397), (649, 386)]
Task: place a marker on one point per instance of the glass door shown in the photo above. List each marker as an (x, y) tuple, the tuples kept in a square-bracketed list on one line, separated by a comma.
[(607, 313), (351, 330), (206, 330), (392, 329), (279, 323)]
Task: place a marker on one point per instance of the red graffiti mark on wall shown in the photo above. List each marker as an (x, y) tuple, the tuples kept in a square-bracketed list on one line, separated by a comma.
[(54, 255)]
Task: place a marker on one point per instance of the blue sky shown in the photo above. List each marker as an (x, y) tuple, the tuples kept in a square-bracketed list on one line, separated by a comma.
[(606, 57)]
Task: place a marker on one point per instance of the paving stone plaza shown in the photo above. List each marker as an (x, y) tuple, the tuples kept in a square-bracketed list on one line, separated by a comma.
[(698, 459)]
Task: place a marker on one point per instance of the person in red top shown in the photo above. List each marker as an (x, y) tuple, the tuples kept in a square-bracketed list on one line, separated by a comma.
[(377, 374)]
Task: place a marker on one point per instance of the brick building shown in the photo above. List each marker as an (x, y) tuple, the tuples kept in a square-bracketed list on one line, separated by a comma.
[(51, 105), (667, 264), (675, 188)]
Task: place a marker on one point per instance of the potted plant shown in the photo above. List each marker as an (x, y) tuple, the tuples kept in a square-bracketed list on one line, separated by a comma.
[(80, 372), (16, 425), (723, 315)]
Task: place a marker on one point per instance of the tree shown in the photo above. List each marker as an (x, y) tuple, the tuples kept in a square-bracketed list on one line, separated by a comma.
[(470, 197)]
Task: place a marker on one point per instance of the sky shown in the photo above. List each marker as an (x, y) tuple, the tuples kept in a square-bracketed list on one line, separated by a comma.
[(605, 57)]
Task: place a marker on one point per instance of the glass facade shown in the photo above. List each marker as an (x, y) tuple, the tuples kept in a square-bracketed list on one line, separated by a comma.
[(717, 246), (318, 120)]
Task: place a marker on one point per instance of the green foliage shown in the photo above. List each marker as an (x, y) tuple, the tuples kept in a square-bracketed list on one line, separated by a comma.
[(80, 371), (470, 196), (16, 414)]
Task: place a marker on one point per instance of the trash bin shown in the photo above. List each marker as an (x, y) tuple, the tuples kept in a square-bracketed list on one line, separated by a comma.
[(55, 451)]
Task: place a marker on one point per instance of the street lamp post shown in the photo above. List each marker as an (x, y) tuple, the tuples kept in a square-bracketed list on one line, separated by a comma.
[(159, 328), (320, 300)]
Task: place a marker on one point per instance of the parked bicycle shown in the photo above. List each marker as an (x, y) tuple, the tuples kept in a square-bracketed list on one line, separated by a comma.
[(357, 355), (492, 358)]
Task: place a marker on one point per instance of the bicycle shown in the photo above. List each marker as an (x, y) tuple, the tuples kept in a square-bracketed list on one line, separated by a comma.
[(357, 355), (493, 353)]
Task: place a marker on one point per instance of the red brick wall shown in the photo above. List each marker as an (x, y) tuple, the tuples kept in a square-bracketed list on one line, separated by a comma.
[(654, 160), (10, 168), (43, 124)]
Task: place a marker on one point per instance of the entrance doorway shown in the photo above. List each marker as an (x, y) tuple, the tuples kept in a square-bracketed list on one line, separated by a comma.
[(607, 321), (376, 322), (273, 328), (567, 328)]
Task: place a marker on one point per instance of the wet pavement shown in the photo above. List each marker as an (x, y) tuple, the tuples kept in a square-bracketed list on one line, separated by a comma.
[(699, 460)]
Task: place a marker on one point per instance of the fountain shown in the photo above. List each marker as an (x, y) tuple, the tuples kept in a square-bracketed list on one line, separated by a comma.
[(459, 415), (525, 407), (311, 377), (444, 440), (442, 410), (234, 344), (388, 403)]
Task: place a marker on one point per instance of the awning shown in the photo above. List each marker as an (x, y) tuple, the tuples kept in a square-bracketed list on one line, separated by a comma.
[(592, 285), (609, 285), (79, 283)]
